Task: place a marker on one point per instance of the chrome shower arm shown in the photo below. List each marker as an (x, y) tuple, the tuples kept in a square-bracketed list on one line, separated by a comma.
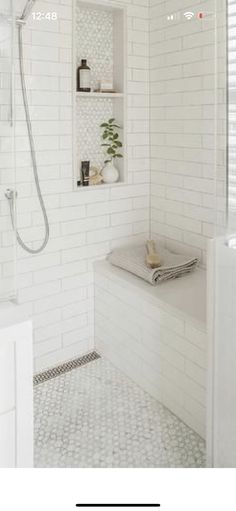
[(27, 10)]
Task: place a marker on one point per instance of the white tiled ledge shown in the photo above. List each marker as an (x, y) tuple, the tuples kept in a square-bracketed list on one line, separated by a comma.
[(101, 187), (11, 314), (99, 94), (184, 297), (156, 336)]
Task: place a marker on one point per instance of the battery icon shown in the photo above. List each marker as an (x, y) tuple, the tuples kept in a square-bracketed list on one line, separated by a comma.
[(202, 15)]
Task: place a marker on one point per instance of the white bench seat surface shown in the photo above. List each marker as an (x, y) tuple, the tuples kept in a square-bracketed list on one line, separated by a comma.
[(186, 295)]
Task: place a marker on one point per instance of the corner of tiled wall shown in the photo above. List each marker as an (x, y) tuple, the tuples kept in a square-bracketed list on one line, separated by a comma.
[(169, 129), (56, 287), (187, 177)]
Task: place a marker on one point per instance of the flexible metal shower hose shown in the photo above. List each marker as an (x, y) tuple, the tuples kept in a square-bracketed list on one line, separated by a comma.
[(33, 158)]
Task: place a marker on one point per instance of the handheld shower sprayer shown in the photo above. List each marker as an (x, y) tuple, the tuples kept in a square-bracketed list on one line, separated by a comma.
[(10, 194)]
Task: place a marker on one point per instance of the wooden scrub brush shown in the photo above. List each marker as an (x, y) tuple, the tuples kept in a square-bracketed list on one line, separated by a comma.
[(152, 258)]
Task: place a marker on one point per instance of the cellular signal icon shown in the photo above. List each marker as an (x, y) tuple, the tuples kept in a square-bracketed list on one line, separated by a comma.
[(189, 15)]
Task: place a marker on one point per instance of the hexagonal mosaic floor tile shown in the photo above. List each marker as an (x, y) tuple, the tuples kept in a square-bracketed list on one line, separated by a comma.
[(94, 416)]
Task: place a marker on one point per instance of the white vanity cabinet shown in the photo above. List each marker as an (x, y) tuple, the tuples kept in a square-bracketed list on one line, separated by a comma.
[(16, 388)]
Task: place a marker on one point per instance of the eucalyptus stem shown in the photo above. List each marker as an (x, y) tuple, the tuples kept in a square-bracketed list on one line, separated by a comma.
[(111, 141)]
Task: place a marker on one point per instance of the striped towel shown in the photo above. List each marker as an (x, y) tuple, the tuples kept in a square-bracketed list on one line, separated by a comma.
[(133, 260)]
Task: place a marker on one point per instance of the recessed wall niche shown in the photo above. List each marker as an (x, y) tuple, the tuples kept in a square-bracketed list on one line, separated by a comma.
[(99, 37)]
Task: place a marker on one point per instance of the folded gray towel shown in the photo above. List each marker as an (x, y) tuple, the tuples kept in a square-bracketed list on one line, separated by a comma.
[(133, 259)]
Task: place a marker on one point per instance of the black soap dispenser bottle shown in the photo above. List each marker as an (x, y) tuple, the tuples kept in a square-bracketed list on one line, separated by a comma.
[(83, 77)]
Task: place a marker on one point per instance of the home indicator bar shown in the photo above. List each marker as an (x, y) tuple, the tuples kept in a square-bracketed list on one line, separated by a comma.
[(138, 506)]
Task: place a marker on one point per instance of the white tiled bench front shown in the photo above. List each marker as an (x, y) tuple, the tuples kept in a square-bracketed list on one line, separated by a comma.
[(156, 336)]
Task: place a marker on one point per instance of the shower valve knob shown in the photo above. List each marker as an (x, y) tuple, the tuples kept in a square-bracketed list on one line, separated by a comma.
[(10, 194)]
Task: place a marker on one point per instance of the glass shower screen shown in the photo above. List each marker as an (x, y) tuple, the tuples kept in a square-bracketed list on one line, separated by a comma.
[(232, 117), (7, 167)]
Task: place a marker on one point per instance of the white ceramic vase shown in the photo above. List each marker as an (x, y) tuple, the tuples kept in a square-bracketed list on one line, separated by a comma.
[(110, 174)]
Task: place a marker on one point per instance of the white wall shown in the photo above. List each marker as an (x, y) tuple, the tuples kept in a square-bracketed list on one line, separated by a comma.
[(222, 370), (155, 344), (16, 405), (7, 175), (187, 194), (56, 286)]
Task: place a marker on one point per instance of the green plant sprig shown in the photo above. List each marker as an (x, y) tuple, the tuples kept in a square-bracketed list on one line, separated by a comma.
[(111, 139)]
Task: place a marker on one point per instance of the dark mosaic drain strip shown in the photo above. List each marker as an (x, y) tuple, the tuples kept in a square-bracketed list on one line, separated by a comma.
[(65, 368)]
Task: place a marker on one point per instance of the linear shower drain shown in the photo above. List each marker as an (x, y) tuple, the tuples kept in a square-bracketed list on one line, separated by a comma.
[(65, 368)]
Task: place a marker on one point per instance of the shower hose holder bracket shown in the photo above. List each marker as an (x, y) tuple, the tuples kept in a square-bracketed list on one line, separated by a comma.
[(20, 22), (10, 194)]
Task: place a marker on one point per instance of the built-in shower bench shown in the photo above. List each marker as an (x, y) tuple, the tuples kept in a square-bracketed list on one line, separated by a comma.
[(156, 336)]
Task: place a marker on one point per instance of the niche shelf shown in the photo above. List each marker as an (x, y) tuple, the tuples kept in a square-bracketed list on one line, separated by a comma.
[(99, 95), (99, 36)]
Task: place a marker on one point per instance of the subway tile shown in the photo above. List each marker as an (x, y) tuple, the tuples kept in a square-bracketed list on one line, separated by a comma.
[(85, 225), (166, 358)]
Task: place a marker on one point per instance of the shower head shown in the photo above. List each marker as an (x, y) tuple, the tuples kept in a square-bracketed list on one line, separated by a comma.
[(27, 9)]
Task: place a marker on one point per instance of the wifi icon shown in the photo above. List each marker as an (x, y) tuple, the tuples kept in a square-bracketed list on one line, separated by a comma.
[(189, 15)]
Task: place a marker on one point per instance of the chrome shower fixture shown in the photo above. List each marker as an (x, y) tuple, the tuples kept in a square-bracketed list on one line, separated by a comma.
[(11, 195), (27, 10)]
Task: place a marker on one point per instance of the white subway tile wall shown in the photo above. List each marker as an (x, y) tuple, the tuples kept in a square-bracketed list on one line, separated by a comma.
[(187, 111), (7, 173), (174, 74), (153, 344), (56, 287)]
